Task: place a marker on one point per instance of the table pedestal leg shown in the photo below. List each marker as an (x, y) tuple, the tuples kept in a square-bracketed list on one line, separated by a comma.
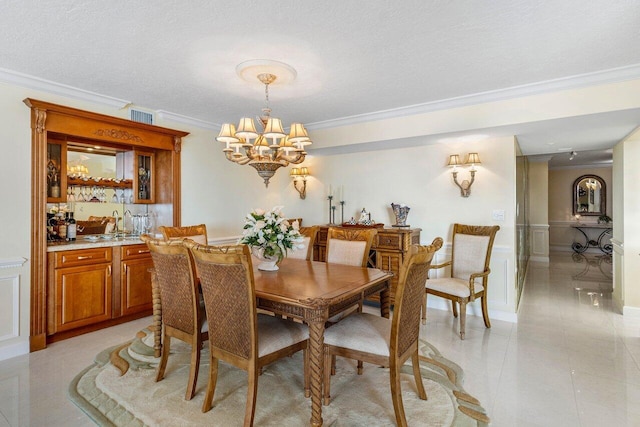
[(316, 321)]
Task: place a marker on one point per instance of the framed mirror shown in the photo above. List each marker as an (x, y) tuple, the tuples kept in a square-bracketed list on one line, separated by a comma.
[(589, 196)]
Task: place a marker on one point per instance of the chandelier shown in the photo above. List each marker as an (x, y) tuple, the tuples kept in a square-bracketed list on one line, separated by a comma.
[(272, 148)]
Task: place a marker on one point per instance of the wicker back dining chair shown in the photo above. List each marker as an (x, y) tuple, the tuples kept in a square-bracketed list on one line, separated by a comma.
[(382, 341), (197, 233), (468, 277), (308, 240), (182, 314), (238, 334)]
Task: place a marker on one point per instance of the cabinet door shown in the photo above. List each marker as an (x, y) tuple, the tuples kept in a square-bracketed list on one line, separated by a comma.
[(82, 296), (56, 171), (136, 285), (143, 178)]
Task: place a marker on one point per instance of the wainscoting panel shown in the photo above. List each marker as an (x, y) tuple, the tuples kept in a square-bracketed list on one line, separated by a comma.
[(539, 242), (9, 307)]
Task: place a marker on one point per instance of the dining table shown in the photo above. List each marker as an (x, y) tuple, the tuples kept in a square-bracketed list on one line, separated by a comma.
[(311, 292)]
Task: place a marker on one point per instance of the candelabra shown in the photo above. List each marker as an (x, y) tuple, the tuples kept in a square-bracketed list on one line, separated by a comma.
[(331, 208)]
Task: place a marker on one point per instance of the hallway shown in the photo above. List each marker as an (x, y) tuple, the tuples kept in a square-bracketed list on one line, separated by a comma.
[(569, 361)]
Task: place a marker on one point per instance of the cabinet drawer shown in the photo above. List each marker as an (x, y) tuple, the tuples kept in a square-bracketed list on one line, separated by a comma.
[(135, 251), (82, 257), (388, 241)]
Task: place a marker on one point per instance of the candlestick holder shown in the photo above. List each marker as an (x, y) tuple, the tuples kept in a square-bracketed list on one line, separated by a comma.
[(330, 198), (333, 212), (341, 211)]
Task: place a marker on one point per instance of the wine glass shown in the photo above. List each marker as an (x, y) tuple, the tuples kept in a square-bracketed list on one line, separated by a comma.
[(114, 198)]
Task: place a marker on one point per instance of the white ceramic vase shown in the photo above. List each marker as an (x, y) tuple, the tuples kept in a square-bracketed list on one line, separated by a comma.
[(267, 263)]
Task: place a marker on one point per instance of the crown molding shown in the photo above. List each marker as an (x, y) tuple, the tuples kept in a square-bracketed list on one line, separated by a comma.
[(36, 83), (629, 72), (179, 118), (613, 75)]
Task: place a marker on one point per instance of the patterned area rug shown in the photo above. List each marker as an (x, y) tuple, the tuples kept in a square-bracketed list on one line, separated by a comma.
[(119, 389)]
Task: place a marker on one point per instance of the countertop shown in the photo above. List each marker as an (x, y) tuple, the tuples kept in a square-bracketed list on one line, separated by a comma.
[(86, 242)]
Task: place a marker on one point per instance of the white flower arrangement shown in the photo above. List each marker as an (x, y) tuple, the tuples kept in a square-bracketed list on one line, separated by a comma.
[(271, 233)]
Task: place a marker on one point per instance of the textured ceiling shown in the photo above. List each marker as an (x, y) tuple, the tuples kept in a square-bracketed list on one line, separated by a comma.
[(352, 57)]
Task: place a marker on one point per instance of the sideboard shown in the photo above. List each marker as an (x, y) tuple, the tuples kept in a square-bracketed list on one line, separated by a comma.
[(387, 252)]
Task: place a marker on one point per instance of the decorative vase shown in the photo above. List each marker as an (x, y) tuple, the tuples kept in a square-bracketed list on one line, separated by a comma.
[(401, 212), (267, 262)]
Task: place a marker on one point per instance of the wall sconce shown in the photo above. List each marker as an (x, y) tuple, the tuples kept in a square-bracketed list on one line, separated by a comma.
[(454, 161), (296, 174)]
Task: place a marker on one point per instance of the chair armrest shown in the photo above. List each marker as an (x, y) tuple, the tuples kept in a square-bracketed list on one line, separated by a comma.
[(436, 266), (472, 280)]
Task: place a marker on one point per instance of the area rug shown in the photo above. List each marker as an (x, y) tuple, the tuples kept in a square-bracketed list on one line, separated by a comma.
[(119, 389)]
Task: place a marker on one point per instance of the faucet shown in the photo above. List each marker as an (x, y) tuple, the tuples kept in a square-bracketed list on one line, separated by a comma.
[(117, 217)]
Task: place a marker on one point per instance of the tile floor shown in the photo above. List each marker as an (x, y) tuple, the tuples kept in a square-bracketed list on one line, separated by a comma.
[(569, 361)]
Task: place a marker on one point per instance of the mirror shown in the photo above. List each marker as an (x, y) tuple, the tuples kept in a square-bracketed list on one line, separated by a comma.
[(589, 196), (92, 195)]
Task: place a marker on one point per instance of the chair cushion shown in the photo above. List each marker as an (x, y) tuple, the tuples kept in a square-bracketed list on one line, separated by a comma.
[(349, 252), (469, 255), (275, 333), (453, 286), (301, 249), (361, 331)]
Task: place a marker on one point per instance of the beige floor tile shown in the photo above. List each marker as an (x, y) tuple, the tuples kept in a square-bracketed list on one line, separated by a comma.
[(571, 360)]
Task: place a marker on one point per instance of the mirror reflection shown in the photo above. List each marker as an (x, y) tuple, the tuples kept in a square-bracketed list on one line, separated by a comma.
[(98, 194), (589, 196)]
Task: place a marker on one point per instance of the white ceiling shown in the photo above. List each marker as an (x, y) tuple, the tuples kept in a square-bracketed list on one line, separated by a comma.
[(352, 57)]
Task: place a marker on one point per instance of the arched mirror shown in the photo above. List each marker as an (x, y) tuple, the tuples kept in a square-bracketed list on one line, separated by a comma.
[(589, 196)]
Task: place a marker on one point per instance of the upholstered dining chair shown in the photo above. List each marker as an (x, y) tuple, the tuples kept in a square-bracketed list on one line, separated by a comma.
[(387, 342), (197, 233), (350, 246), (237, 333), (182, 314), (308, 239), (468, 277)]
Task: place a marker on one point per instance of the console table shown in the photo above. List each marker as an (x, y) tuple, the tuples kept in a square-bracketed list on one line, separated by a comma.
[(387, 252), (603, 241)]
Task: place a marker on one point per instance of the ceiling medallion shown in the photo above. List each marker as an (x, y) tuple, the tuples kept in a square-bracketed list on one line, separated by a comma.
[(272, 148)]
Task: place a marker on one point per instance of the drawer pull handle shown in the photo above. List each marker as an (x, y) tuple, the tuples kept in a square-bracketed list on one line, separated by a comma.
[(84, 257), (143, 251)]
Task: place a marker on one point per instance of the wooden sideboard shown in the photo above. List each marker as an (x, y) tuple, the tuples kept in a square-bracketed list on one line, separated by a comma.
[(387, 252)]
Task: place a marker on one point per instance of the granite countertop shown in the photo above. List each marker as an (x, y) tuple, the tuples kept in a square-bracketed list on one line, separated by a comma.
[(92, 241)]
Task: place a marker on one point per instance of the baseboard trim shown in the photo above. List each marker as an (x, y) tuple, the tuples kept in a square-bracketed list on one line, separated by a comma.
[(544, 259), (14, 350), (473, 309), (631, 311)]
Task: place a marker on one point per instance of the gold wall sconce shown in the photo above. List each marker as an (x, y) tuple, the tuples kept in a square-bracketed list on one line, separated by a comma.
[(472, 160), (300, 174)]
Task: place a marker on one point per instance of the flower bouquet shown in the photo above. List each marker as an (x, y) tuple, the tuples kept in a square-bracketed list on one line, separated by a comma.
[(270, 236)]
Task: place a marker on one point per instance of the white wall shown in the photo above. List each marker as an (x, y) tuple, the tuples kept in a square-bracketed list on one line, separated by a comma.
[(539, 210), (627, 238), (219, 194)]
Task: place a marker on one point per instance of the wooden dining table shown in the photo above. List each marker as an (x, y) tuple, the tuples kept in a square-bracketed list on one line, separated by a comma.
[(312, 292)]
